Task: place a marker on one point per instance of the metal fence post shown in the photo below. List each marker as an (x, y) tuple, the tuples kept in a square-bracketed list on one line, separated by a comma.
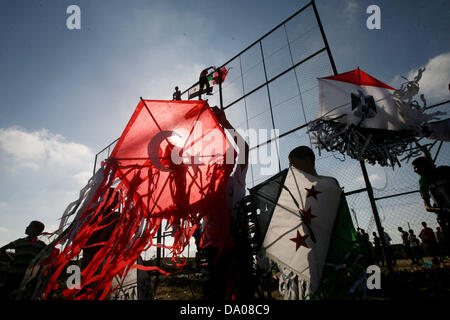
[(375, 215)]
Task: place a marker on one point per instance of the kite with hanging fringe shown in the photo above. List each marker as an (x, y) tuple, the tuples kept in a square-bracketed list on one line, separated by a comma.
[(366, 119), (304, 226), (168, 165)]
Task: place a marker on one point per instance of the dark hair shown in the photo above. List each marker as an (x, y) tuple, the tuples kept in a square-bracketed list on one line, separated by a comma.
[(421, 162), (302, 152), (38, 226)]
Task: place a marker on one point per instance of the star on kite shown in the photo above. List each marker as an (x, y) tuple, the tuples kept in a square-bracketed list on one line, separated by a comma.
[(307, 215), (299, 241), (312, 192)]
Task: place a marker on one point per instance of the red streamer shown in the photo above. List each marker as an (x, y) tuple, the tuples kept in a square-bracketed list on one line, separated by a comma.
[(141, 189)]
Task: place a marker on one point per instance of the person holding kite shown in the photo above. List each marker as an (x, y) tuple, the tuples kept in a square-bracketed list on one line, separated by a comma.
[(344, 237), (236, 182), (224, 266), (311, 234)]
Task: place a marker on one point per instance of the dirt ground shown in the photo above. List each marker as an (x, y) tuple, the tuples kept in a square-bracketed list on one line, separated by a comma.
[(420, 281), (190, 287)]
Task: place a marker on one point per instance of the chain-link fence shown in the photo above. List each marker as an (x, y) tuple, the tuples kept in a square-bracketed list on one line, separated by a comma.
[(271, 93)]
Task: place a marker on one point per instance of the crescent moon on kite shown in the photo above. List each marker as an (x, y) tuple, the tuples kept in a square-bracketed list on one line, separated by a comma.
[(153, 149)]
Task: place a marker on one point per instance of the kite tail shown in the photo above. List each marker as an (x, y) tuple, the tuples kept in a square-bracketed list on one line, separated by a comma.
[(81, 234), (116, 227)]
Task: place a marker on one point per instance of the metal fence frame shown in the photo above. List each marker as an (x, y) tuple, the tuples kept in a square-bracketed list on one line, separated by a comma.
[(266, 83)]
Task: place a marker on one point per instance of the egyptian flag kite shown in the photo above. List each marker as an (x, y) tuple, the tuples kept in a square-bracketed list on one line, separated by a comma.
[(309, 225), (364, 100), (214, 78), (168, 166), (367, 119)]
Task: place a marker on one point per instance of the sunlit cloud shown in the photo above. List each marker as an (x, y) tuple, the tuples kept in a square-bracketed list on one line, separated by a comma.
[(41, 148), (435, 80), (46, 170)]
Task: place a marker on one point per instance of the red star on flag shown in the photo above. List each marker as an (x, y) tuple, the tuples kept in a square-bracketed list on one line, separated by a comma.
[(307, 215), (312, 192), (299, 241)]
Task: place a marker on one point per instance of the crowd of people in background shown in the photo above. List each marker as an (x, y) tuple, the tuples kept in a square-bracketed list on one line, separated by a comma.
[(434, 187), (428, 243)]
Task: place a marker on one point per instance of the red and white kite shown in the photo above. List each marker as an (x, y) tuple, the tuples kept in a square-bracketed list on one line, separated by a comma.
[(169, 164), (357, 98)]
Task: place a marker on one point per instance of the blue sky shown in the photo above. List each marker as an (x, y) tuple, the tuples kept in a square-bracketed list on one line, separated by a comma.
[(65, 94)]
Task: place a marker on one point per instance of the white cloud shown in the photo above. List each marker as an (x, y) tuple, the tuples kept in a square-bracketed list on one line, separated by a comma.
[(374, 177), (350, 11), (38, 148), (350, 7), (435, 79), (60, 168), (82, 177), (24, 147)]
